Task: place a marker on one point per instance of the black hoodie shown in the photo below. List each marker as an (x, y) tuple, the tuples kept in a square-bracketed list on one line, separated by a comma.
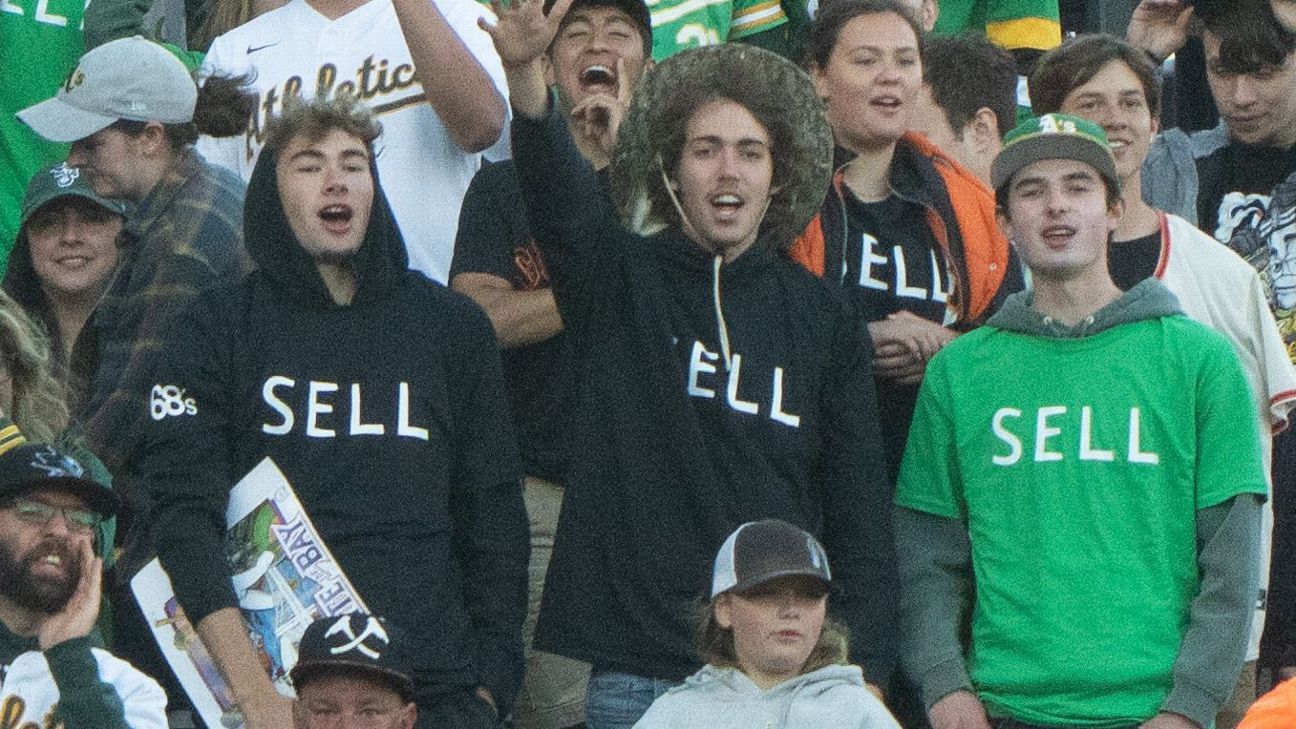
[(697, 411), (388, 417)]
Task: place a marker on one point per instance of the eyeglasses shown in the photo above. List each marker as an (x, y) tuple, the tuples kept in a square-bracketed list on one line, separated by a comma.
[(78, 521)]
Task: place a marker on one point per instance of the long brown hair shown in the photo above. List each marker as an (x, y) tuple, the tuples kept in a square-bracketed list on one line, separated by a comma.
[(716, 644), (39, 406)]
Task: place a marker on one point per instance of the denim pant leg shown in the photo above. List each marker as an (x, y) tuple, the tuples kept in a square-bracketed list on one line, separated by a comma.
[(618, 700)]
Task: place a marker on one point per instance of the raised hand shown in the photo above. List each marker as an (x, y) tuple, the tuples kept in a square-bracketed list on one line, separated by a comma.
[(78, 616), (522, 31), (598, 116), (1159, 27)]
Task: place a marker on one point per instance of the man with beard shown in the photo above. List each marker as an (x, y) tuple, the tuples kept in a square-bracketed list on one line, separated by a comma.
[(49, 600)]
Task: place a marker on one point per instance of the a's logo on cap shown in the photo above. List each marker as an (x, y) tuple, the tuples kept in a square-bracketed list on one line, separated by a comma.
[(1051, 124), (54, 465), (64, 176), (372, 629), (74, 79)]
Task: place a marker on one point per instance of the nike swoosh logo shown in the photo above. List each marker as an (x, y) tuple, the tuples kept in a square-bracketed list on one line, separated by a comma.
[(254, 49)]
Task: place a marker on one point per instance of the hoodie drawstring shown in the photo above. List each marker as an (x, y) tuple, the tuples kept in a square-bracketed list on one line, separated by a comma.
[(722, 328)]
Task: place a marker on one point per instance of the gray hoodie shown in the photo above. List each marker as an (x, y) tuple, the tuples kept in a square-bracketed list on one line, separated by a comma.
[(833, 697)]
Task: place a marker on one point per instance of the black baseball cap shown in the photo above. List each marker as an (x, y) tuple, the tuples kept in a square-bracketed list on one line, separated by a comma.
[(356, 644), (760, 551), (27, 467), (636, 9)]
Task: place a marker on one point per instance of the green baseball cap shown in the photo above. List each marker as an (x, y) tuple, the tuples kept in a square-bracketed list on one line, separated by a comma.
[(60, 180), (1054, 136)]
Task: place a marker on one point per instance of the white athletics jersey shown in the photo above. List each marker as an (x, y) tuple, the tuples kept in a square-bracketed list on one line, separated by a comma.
[(296, 51), (29, 696)]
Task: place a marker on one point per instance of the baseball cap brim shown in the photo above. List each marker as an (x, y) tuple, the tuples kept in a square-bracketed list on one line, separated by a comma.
[(58, 121), (1030, 150), (36, 203), (303, 672), (94, 494), (758, 580)]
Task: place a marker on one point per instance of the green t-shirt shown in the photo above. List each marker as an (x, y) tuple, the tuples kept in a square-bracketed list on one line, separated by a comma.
[(1078, 466), (680, 24), (40, 42)]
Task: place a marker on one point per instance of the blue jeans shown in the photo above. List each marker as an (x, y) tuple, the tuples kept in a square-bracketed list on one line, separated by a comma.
[(617, 700)]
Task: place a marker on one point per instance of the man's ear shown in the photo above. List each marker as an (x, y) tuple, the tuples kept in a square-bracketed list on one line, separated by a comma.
[(928, 15), (722, 609), (153, 140), (1005, 223), (984, 128), (409, 716), (819, 77), (1115, 211)]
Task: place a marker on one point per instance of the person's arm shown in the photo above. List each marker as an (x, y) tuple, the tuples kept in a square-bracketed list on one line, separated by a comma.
[(489, 516), (857, 506), (1214, 645), (1230, 486), (569, 213), (85, 700), (143, 305), (1159, 27), (187, 466), (453, 80), (109, 20), (492, 233), (518, 317)]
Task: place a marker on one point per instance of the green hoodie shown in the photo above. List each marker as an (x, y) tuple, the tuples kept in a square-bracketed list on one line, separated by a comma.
[(1083, 480)]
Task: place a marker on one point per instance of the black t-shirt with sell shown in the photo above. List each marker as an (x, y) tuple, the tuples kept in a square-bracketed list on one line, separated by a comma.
[(494, 239), (893, 263)]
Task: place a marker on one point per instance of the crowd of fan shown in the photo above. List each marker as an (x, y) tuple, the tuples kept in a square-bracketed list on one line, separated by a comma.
[(590, 333)]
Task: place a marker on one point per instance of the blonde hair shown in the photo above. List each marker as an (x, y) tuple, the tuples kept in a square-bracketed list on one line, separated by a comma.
[(40, 407), (716, 644)]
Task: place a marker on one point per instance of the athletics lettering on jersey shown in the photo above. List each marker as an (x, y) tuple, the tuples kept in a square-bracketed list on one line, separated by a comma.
[(1059, 435), (702, 383), (320, 416), (372, 80)]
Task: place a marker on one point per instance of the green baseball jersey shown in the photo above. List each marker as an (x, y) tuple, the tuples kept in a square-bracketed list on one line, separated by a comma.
[(680, 24), (1010, 24), (40, 42), (1078, 466)]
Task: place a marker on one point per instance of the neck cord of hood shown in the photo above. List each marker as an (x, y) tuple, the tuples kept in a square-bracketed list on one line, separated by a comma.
[(722, 329)]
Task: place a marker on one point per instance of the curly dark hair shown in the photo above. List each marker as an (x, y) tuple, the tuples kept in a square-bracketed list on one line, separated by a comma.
[(777, 93)]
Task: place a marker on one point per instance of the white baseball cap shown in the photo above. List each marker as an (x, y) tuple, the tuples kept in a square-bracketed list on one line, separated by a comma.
[(129, 78)]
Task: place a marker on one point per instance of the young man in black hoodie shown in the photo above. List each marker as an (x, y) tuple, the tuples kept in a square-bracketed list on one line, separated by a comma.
[(379, 395), (719, 382)]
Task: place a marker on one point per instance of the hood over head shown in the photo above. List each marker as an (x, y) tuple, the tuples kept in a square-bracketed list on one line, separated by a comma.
[(1148, 299), (380, 263), (775, 91)]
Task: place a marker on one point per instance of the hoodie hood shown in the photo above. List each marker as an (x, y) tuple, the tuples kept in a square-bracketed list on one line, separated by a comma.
[(380, 263), (714, 678), (1148, 299), (763, 82)]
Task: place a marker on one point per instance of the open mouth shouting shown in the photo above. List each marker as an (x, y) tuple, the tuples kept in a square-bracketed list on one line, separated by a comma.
[(598, 78), (336, 218), (726, 206)]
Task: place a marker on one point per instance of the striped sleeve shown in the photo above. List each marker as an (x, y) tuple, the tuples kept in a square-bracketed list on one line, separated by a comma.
[(753, 16)]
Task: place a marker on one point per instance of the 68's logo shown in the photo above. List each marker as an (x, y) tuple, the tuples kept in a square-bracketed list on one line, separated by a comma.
[(169, 400)]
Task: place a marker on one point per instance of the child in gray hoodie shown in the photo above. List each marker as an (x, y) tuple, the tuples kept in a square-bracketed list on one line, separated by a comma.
[(774, 659)]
